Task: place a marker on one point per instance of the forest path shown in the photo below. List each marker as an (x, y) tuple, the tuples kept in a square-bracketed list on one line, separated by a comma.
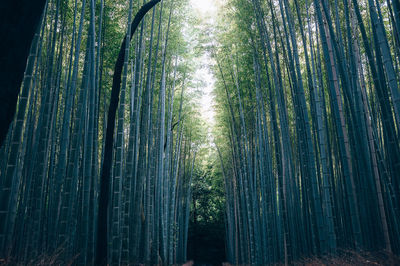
[(207, 229)]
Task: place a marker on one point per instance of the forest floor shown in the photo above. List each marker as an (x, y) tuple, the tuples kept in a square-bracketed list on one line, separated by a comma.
[(347, 258), (344, 258), (354, 258)]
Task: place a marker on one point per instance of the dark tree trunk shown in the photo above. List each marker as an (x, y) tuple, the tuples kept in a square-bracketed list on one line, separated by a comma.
[(18, 22), (101, 249)]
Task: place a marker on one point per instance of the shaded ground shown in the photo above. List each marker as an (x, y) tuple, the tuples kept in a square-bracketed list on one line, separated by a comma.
[(347, 258), (210, 253)]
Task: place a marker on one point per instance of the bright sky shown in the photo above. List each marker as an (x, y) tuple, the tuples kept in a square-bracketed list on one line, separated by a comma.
[(204, 6), (207, 10)]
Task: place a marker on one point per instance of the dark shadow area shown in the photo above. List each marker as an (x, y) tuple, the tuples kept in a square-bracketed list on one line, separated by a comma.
[(206, 243)]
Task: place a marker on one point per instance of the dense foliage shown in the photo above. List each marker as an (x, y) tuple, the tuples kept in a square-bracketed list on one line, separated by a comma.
[(206, 238), (308, 100), (50, 163), (109, 159)]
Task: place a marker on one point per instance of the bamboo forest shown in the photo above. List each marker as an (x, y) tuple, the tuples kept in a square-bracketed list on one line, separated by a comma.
[(200, 132)]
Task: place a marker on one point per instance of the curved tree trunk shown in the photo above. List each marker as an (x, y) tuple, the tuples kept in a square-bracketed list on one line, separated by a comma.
[(101, 249)]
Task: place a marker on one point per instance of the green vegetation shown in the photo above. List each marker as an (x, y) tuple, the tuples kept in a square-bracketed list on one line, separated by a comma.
[(307, 103), (57, 195), (110, 158), (207, 220)]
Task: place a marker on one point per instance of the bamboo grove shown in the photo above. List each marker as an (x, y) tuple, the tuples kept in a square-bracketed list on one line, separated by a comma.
[(308, 106), (51, 161)]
